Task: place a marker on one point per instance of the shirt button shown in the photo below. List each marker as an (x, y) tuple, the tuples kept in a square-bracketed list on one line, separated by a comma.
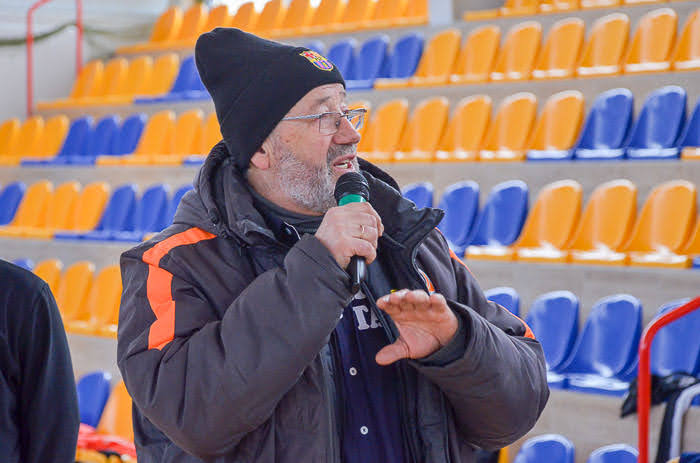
[(364, 430), (353, 371)]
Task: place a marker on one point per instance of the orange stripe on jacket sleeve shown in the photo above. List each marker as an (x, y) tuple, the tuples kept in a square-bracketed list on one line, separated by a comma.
[(159, 285)]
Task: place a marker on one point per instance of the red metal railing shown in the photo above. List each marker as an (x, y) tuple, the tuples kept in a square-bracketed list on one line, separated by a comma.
[(30, 44), (644, 375)]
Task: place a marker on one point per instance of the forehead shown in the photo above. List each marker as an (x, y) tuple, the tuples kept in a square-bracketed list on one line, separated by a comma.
[(332, 94)]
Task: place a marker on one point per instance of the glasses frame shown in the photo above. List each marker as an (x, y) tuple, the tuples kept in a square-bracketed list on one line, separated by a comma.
[(347, 115)]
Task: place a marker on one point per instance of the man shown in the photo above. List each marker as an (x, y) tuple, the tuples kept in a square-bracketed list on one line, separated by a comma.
[(239, 337), (38, 401)]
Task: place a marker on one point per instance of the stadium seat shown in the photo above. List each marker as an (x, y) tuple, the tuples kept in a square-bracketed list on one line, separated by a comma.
[(164, 30), (403, 60), (26, 264), (475, 60), (326, 14), (73, 145), (165, 71), (9, 131), (615, 453), (156, 138), (560, 53), (26, 141), (509, 132), (89, 207), (102, 305), (686, 54), (297, 16), (93, 391), (85, 85), (676, 347), (116, 416), (436, 63), (416, 13), (587, 4), (557, 127), (663, 226), (59, 210), (516, 58), (112, 82), (557, 6), (342, 54), (605, 224), (548, 229), (692, 247), (151, 214), (421, 193), (604, 133), (118, 216), (211, 134), (510, 8), (690, 137), (655, 133), (606, 348), (175, 202), (138, 75), (384, 131), (129, 135), (10, 199), (650, 49), (506, 297), (187, 86), (602, 53), (193, 25), (464, 134), (72, 291), (318, 47), (245, 17), (99, 140), (356, 15), (55, 130), (186, 139), (270, 18), (31, 211), (500, 221), (423, 131), (371, 58), (460, 201), (49, 270), (550, 448), (218, 17), (553, 318), (387, 14)]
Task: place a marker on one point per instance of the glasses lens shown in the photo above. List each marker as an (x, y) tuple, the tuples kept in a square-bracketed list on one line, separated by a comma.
[(356, 119), (329, 123)]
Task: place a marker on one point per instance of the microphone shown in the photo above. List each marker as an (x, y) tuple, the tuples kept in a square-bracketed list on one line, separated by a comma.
[(352, 187)]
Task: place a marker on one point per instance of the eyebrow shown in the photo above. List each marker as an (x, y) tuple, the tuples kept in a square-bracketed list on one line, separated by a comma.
[(325, 99)]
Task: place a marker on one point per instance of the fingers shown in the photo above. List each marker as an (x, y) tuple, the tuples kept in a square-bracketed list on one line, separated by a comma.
[(404, 301), (363, 248), (365, 214), (393, 352)]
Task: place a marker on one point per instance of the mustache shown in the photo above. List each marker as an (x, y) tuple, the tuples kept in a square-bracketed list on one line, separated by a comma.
[(336, 151)]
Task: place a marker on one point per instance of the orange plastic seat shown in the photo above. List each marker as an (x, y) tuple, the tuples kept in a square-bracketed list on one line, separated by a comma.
[(60, 206), (218, 17), (416, 13), (156, 139), (557, 6), (49, 270), (31, 211), (270, 18), (508, 134), (588, 4), (135, 82), (298, 16), (194, 21), (464, 135), (368, 106), (557, 128), (639, 2), (72, 291), (245, 18), (186, 139), (165, 69), (102, 305), (560, 52), (664, 226), (89, 207), (651, 45), (605, 225), (517, 55), (384, 132), (211, 134), (437, 60), (326, 15), (113, 81), (86, 84), (165, 30), (9, 133), (603, 52), (423, 132), (687, 51), (692, 248), (387, 13), (116, 416), (510, 8), (356, 15), (476, 58), (26, 143), (51, 139), (549, 226)]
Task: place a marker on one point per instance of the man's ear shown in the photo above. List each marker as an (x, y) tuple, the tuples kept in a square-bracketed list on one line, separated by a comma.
[(261, 158)]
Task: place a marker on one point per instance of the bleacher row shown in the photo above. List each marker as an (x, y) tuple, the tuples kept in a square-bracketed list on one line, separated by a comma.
[(555, 448)]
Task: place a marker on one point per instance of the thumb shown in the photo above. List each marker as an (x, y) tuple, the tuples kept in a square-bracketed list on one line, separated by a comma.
[(391, 353)]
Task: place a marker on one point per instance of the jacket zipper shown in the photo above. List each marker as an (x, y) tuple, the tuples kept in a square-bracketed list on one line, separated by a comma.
[(338, 408)]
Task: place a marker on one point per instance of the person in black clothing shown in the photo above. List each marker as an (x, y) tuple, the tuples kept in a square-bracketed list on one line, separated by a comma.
[(39, 417)]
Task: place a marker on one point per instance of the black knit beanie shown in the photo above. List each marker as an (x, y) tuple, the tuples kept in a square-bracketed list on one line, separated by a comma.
[(254, 82)]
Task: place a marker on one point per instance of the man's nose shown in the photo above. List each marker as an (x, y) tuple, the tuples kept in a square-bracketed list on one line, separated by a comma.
[(346, 134)]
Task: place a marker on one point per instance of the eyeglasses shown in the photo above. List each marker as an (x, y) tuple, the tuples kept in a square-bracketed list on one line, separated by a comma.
[(329, 123)]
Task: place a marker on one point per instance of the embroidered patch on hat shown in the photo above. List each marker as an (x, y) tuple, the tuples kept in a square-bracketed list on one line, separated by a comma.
[(317, 60)]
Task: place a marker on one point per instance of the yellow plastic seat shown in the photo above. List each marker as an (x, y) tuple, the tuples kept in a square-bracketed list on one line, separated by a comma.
[(26, 143), (165, 69), (60, 206), (651, 45), (416, 14), (89, 207), (356, 15), (156, 139), (589, 4), (9, 133), (165, 30), (549, 226), (557, 6), (31, 212), (218, 17), (298, 16), (664, 226), (245, 18), (384, 132), (387, 13), (692, 248), (113, 81), (86, 84), (138, 74), (510, 8), (49, 270), (116, 416), (558, 126), (72, 291), (508, 134), (686, 54), (423, 132), (211, 134), (270, 18), (437, 60), (640, 2), (326, 15), (368, 106), (605, 225), (476, 58), (516, 57), (603, 52), (102, 305), (193, 25), (465, 131), (560, 52), (51, 140), (186, 139)]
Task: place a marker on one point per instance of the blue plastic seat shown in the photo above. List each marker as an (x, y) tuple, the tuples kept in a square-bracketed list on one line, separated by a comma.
[(101, 140), (73, 144), (129, 134), (369, 62), (187, 85), (421, 193), (657, 129), (175, 202), (500, 220), (317, 46), (676, 347), (691, 132), (553, 318), (10, 197), (26, 264), (152, 213), (460, 201), (616, 453), (605, 353), (404, 58), (605, 131), (506, 297), (550, 448), (342, 55), (93, 391)]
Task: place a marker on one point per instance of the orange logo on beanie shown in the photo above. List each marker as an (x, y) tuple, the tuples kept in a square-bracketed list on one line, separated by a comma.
[(317, 60)]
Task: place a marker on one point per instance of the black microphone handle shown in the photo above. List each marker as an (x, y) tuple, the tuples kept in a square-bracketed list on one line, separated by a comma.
[(357, 270)]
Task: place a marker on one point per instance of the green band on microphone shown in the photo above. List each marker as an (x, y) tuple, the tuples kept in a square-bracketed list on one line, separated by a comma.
[(347, 199)]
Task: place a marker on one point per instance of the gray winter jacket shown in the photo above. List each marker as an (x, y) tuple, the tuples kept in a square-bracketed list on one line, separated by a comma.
[(224, 330)]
